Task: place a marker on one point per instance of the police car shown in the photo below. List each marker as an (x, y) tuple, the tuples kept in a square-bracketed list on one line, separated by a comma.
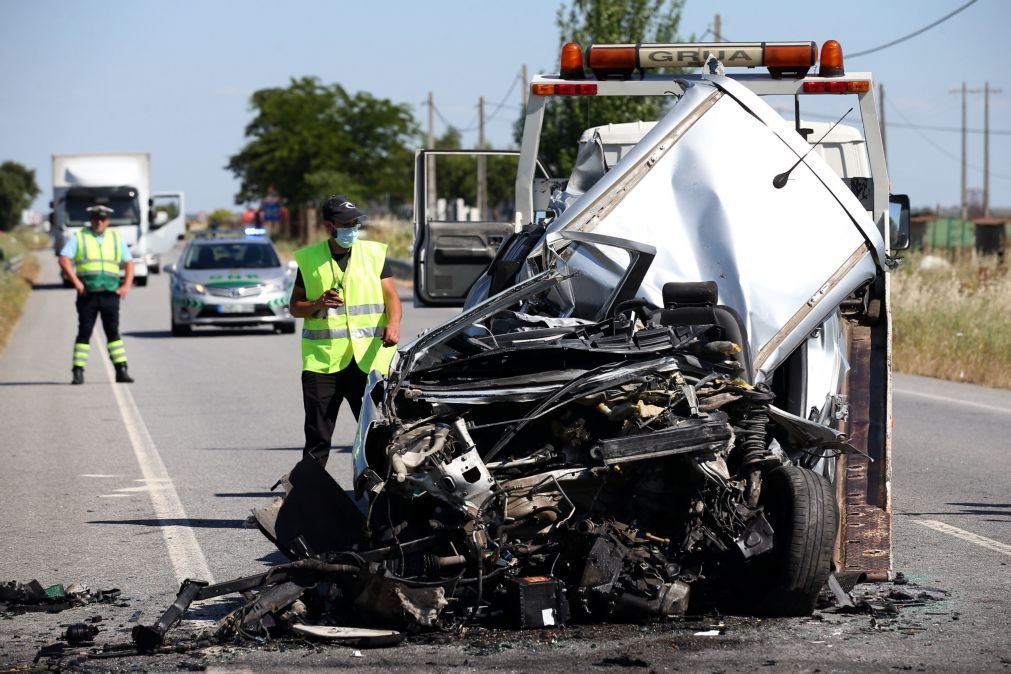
[(231, 279)]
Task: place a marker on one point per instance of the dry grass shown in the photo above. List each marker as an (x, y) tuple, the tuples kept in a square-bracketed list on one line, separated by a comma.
[(14, 288), (953, 322), (397, 234)]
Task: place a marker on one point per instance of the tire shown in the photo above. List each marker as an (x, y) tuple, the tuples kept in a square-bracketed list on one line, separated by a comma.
[(140, 281), (180, 330), (286, 328), (800, 504)]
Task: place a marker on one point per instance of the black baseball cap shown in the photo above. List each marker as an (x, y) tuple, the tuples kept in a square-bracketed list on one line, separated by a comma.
[(340, 211)]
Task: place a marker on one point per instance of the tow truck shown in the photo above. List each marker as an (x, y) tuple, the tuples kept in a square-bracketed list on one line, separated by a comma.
[(732, 202)]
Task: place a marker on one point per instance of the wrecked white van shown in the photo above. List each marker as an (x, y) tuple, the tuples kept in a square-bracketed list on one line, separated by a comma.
[(669, 386)]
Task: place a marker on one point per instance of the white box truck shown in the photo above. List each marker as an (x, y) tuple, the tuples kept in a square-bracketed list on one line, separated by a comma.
[(150, 223)]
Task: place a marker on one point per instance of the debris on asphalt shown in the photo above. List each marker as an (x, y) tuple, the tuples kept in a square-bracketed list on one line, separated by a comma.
[(80, 633), (708, 633), (17, 597)]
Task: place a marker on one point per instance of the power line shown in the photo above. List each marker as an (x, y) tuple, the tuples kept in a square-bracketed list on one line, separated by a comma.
[(938, 147), (908, 125), (927, 127), (911, 35), (471, 126), (505, 98), (924, 127)]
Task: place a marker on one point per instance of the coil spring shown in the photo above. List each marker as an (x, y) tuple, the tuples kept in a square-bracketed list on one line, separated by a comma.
[(751, 430)]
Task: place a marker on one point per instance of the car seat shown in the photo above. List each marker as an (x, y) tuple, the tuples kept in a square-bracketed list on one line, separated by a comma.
[(689, 303)]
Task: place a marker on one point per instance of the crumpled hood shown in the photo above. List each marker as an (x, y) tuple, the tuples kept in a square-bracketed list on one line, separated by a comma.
[(699, 188)]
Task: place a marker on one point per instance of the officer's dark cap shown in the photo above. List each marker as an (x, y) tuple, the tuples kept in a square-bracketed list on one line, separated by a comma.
[(340, 211)]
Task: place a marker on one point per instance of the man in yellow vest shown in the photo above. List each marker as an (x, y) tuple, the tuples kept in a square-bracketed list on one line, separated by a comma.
[(92, 259), (345, 293)]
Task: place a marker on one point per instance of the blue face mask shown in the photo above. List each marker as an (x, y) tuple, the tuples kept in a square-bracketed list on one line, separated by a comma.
[(345, 237)]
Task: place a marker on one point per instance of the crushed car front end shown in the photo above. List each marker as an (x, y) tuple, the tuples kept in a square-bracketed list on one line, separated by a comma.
[(627, 430)]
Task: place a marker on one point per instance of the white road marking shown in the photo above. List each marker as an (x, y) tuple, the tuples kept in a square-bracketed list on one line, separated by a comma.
[(992, 408), (96, 475), (981, 541), (187, 558)]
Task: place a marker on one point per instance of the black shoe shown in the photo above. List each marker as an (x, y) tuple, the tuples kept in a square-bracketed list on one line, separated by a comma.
[(78, 375), (122, 376)]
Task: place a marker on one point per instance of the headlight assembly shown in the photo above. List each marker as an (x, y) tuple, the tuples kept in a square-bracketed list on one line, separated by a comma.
[(275, 286), (190, 288)]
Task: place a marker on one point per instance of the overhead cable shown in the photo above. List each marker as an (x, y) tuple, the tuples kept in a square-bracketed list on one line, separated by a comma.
[(911, 35)]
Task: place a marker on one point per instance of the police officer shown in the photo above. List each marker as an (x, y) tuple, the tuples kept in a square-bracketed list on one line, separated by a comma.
[(92, 259), (345, 293)]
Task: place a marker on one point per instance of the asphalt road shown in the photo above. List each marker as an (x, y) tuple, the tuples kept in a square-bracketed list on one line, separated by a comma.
[(137, 487)]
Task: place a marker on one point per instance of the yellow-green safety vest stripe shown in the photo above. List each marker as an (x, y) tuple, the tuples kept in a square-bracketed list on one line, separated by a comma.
[(93, 258), (332, 338)]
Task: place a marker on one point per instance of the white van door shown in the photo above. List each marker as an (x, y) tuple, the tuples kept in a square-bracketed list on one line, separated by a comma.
[(464, 208), (167, 222)]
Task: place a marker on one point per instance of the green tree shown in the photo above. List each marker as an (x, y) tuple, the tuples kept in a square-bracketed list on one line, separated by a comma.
[(17, 191), (309, 140), (457, 176), (222, 218), (602, 22)]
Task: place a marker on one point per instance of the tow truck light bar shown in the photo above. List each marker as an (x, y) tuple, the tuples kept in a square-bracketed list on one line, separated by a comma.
[(853, 87), (620, 60)]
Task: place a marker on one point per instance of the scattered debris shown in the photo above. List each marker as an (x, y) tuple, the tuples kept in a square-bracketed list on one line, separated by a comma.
[(623, 660), (16, 597), (708, 633), (80, 633)]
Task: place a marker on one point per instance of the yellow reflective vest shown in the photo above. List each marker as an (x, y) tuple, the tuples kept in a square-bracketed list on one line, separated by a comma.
[(98, 264), (331, 338)]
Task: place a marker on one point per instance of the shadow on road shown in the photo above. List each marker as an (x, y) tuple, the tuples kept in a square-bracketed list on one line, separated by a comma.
[(34, 383), (250, 494), (196, 334), (982, 505), (263, 449), (273, 558), (971, 509), (174, 522)]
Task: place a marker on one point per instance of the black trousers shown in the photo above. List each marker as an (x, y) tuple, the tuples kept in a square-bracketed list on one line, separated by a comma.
[(322, 395), (89, 306)]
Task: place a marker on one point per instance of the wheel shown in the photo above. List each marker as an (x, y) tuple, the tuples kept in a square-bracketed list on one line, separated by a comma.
[(286, 328), (800, 504), (180, 330), (140, 281)]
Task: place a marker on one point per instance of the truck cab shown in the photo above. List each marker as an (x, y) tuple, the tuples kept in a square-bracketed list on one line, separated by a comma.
[(150, 224), (791, 219)]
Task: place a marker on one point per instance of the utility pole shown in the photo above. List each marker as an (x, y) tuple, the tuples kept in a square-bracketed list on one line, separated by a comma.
[(986, 146), (964, 198), (525, 86), (965, 195), (986, 149), (718, 29), (884, 144), (431, 195), (986, 90), (482, 165)]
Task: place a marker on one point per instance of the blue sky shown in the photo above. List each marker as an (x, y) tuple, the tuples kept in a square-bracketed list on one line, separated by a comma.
[(174, 78)]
